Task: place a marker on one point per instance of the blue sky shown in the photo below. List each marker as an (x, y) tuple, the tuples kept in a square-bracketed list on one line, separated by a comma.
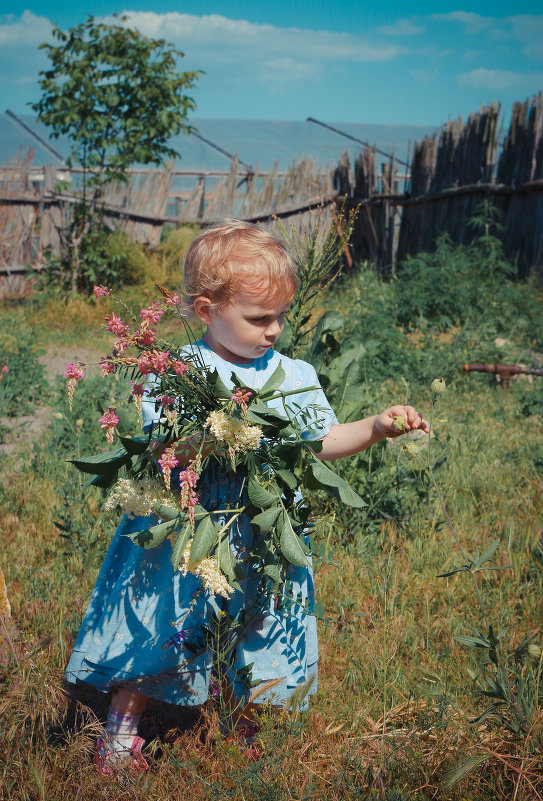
[(337, 61)]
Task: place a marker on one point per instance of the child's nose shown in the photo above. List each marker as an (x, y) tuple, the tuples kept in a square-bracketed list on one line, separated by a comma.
[(274, 329)]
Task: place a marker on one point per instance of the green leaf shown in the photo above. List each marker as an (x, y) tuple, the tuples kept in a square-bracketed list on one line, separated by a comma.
[(462, 569), (274, 572), (288, 478), (274, 381), (318, 476), (488, 553), (267, 519), (102, 463), (101, 481), (472, 642), (153, 536), (259, 496), (226, 559), (180, 544), (205, 537), (219, 387), (136, 445), (166, 512), (291, 545)]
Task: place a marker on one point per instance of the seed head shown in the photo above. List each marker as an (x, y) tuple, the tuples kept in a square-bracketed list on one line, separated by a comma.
[(534, 650), (411, 449), (399, 423), (438, 386)]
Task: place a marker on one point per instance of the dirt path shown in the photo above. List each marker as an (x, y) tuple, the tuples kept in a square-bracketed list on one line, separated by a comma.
[(25, 430)]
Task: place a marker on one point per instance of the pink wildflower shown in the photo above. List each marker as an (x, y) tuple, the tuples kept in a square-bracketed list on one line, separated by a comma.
[(101, 290), (144, 336), (153, 314), (145, 365), (166, 400), (74, 373), (137, 389), (122, 343), (109, 421), (3, 370), (159, 360), (241, 397), (180, 368), (188, 479), (171, 298), (106, 366), (167, 462), (137, 393), (115, 324)]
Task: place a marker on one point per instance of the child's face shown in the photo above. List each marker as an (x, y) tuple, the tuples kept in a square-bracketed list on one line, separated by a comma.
[(245, 328)]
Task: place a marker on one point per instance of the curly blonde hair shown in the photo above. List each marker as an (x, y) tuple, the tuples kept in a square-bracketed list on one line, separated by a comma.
[(234, 250)]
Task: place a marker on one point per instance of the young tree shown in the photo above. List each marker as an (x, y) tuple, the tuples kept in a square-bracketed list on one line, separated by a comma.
[(119, 97)]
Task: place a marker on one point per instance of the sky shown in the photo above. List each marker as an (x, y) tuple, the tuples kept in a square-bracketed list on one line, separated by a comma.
[(337, 61)]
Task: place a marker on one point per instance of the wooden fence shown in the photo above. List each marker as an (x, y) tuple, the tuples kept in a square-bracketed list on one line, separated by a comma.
[(451, 173)]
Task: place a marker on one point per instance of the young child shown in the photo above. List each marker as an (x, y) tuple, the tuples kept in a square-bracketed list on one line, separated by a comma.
[(140, 635)]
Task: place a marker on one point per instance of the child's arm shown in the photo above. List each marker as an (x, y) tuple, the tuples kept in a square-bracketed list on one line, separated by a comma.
[(346, 439)]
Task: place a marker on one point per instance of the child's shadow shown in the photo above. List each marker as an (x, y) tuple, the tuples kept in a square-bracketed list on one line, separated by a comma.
[(160, 721)]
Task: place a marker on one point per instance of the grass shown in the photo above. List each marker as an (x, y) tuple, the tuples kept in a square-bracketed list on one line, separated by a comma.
[(397, 691)]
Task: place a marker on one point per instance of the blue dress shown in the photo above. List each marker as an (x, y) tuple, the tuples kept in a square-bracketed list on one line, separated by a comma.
[(144, 626)]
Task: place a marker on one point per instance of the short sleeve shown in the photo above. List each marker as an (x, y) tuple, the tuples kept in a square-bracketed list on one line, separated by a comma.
[(315, 413)]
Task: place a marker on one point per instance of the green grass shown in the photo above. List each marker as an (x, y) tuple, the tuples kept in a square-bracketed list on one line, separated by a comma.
[(397, 691)]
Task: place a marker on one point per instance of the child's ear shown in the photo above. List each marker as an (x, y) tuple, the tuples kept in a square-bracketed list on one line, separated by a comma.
[(204, 308)]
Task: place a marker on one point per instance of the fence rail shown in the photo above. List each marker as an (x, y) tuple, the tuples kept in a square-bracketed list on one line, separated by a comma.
[(450, 173)]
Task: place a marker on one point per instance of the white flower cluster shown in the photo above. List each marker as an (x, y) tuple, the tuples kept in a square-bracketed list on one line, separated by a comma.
[(137, 498), (208, 570), (237, 435)]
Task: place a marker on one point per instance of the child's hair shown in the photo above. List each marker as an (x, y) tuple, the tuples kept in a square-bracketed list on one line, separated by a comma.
[(227, 251)]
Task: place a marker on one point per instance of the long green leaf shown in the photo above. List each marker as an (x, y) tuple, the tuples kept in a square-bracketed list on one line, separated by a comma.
[(318, 476), (274, 381), (291, 545), (205, 537), (267, 519), (102, 463), (227, 561), (259, 496), (136, 445), (180, 544), (153, 536)]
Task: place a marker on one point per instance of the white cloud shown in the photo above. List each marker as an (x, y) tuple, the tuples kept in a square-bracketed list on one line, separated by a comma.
[(28, 29), (528, 30), (498, 80), (473, 23), (402, 27), (215, 39)]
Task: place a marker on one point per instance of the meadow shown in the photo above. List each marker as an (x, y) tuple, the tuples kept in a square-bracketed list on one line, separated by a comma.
[(429, 687)]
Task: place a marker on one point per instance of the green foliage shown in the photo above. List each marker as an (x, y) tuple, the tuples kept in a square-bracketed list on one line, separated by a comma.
[(116, 94), (25, 384), (118, 97)]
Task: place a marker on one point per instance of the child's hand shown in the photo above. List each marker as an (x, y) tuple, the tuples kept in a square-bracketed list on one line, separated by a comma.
[(397, 420)]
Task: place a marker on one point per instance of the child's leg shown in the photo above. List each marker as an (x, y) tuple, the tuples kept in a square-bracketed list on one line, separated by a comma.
[(123, 719)]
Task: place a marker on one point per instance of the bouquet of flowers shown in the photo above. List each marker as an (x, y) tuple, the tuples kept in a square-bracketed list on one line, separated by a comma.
[(197, 421)]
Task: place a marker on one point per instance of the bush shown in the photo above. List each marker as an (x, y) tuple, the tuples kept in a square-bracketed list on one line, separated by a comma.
[(25, 383)]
